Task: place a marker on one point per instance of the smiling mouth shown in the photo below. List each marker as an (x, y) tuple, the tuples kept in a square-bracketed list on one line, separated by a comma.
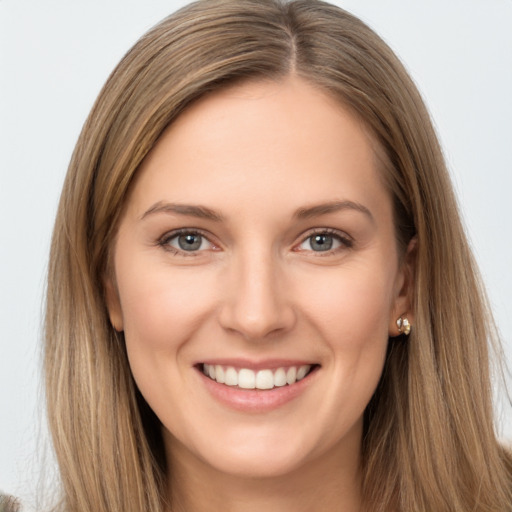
[(265, 379)]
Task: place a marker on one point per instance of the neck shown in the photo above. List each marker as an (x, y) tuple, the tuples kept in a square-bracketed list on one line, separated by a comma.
[(329, 483)]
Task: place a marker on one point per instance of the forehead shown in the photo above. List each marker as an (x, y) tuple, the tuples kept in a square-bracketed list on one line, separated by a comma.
[(280, 143)]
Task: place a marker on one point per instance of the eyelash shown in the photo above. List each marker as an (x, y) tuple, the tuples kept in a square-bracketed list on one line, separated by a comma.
[(165, 240), (345, 241)]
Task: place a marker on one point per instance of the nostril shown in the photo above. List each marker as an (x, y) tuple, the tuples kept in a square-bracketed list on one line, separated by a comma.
[(257, 324)]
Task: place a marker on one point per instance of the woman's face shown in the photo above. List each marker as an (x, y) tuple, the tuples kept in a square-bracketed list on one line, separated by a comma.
[(258, 246)]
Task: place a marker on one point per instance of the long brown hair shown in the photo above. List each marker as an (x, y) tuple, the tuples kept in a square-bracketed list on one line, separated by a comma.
[(429, 441)]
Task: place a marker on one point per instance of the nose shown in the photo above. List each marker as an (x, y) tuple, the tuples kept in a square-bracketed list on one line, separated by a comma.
[(257, 302)]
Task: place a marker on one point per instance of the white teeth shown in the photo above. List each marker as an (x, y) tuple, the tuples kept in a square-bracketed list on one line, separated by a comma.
[(219, 374), (301, 372), (246, 379), (291, 375), (264, 379), (249, 379), (231, 377), (280, 377)]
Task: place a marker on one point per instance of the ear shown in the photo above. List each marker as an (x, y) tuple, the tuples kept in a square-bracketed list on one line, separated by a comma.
[(115, 312), (404, 291)]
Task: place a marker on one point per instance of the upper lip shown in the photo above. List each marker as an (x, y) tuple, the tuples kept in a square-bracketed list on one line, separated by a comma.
[(264, 364)]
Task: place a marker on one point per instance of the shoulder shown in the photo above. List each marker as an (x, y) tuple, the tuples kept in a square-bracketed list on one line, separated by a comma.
[(8, 503)]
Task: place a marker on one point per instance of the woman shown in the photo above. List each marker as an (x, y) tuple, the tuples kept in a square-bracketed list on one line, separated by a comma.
[(205, 351)]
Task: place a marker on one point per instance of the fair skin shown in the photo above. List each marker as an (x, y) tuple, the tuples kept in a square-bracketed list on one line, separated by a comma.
[(286, 258)]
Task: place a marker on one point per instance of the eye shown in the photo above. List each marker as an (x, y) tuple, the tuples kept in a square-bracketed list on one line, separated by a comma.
[(324, 241), (185, 241)]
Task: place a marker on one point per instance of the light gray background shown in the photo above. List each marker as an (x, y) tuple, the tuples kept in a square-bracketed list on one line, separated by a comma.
[(56, 54)]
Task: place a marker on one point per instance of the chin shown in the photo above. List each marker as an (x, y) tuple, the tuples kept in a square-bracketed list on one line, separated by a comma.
[(258, 466), (254, 452)]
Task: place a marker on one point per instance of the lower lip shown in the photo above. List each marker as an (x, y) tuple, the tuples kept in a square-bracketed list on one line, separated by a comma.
[(257, 400)]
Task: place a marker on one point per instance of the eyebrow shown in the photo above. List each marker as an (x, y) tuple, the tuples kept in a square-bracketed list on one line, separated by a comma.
[(332, 207), (201, 212)]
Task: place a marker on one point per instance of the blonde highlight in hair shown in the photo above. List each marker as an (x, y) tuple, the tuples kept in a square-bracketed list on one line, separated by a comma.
[(429, 441)]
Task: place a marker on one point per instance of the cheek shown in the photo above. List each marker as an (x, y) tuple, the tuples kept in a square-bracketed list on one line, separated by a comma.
[(350, 310), (352, 305), (162, 307)]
